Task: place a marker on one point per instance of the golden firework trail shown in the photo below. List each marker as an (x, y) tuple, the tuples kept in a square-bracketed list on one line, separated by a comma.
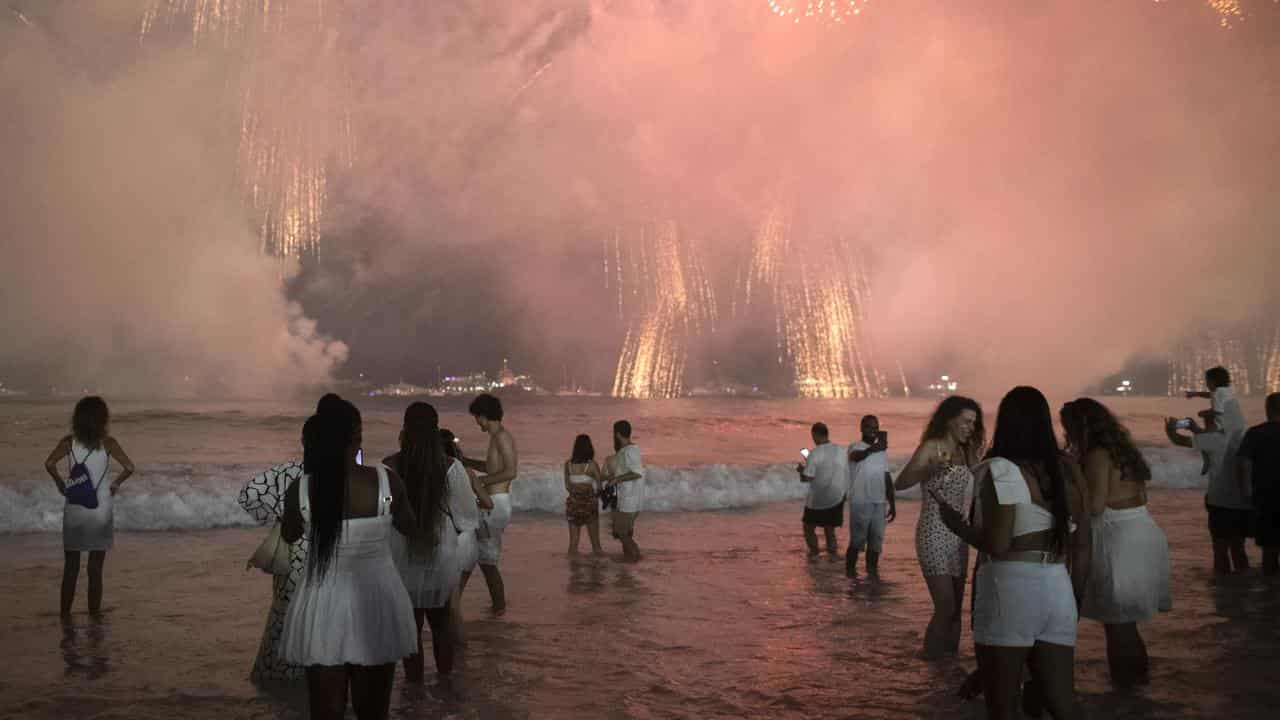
[(818, 308), (835, 11), (286, 136), (666, 299), (1252, 356)]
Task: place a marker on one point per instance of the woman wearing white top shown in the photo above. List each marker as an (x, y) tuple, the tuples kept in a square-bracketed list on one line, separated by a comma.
[(84, 529), (350, 621), (581, 505), (1029, 525), (467, 497)]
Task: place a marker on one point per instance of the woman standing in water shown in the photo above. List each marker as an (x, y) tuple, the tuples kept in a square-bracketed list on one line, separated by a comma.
[(1130, 571), (427, 557), (951, 445), (350, 620), (1029, 524), (582, 483), (87, 519), (467, 496)]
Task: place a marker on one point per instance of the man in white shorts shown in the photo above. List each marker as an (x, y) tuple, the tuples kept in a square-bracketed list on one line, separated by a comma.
[(500, 467), (871, 501), (626, 472)]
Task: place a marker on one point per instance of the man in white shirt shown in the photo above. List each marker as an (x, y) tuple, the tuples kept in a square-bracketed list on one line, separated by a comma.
[(871, 501), (826, 470), (625, 471), (1229, 508)]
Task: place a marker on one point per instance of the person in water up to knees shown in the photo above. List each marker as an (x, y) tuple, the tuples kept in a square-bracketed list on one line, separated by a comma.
[(626, 475), (1230, 513), (1258, 471), (500, 467), (871, 497), (826, 470)]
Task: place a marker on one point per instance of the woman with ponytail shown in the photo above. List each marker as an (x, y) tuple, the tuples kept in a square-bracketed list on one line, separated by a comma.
[(426, 557), (350, 620)]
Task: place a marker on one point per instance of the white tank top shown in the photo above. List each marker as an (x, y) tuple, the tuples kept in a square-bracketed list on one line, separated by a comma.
[(580, 478)]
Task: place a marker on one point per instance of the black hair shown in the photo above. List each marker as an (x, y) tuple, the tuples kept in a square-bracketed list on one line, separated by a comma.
[(326, 439), (487, 407), (1024, 435), (89, 421), (623, 428), (450, 443), (820, 430), (1217, 376), (949, 409), (866, 419), (329, 402), (1273, 406), (423, 465), (583, 450)]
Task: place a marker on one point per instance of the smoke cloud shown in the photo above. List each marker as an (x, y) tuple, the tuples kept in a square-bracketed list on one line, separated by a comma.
[(1035, 192)]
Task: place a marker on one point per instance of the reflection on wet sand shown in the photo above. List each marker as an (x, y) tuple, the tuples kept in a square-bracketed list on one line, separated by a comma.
[(84, 647)]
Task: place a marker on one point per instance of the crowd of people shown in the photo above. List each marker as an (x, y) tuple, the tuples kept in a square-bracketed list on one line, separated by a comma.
[(364, 555)]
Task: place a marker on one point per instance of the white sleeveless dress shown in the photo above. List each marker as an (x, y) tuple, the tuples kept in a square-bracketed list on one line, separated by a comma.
[(85, 530), (358, 613), (466, 517)]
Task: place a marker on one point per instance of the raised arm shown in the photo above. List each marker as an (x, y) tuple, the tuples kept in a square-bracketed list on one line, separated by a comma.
[(918, 468), (995, 535), (114, 450), (61, 450)]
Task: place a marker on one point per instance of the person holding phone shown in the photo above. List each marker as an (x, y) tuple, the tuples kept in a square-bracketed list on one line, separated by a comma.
[(826, 471), (1226, 503), (871, 497), (950, 445)]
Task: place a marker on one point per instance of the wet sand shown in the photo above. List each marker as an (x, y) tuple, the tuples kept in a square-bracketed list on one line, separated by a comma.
[(725, 618)]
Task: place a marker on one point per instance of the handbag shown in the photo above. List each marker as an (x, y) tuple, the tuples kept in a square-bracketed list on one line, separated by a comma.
[(272, 556)]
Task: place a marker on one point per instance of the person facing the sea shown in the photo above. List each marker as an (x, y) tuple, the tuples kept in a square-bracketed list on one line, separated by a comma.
[(1225, 502), (582, 485), (1259, 468), (625, 473), (826, 471), (88, 524), (263, 498), (501, 466), (1129, 573), (467, 497), (350, 620), (427, 557), (871, 498), (1029, 524), (949, 447)]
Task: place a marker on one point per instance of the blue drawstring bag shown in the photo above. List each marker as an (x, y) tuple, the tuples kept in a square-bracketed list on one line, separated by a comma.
[(80, 488)]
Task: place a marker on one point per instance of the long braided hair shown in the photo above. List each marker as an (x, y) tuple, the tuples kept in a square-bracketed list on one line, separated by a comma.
[(327, 440), (1024, 435), (423, 464)]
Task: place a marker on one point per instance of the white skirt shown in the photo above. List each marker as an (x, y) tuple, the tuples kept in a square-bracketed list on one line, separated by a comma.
[(1129, 577), (430, 582)]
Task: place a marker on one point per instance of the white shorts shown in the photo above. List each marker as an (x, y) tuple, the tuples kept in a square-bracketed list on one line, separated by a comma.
[(1017, 604), (866, 526), (493, 523)]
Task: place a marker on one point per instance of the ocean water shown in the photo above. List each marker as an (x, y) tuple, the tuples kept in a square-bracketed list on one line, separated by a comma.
[(703, 454)]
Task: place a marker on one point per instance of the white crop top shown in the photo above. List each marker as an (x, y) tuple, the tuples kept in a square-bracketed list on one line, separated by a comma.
[(1011, 489)]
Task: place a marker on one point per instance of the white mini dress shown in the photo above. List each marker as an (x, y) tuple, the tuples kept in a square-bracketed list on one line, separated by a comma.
[(358, 613), (85, 530)]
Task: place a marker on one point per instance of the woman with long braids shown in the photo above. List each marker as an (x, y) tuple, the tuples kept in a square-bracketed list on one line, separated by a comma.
[(350, 620), (426, 557), (1029, 526), (950, 447), (1130, 575)]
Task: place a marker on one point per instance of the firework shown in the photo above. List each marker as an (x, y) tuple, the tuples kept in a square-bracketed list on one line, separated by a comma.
[(835, 11)]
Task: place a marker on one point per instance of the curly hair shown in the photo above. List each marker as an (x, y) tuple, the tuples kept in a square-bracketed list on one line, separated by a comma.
[(949, 409), (1089, 425)]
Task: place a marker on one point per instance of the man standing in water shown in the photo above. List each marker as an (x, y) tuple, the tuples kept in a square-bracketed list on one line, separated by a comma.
[(827, 471), (500, 467), (1258, 464), (626, 472), (871, 501)]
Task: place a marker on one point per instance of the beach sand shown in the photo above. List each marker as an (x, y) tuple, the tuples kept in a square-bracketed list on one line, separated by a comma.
[(724, 618)]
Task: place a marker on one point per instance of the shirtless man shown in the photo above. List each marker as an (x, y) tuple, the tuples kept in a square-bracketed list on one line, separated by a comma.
[(499, 467)]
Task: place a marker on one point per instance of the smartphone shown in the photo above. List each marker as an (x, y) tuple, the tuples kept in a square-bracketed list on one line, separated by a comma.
[(360, 457), (1182, 424), (882, 438), (804, 453)]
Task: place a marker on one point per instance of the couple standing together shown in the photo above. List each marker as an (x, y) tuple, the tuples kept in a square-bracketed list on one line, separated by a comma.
[(618, 487)]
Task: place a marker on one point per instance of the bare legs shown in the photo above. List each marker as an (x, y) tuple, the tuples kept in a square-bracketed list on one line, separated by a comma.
[(1051, 667), (811, 539), (575, 534), (497, 590), (71, 573), (942, 637), (442, 643), (1126, 655), (370, 688), (593, 534), (1229, 556)]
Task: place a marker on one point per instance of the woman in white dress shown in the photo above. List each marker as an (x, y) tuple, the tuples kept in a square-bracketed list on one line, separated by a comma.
[(87, 518), (1129, 579), (350, 621), (467, 497), (427, 557), (951, 445)]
